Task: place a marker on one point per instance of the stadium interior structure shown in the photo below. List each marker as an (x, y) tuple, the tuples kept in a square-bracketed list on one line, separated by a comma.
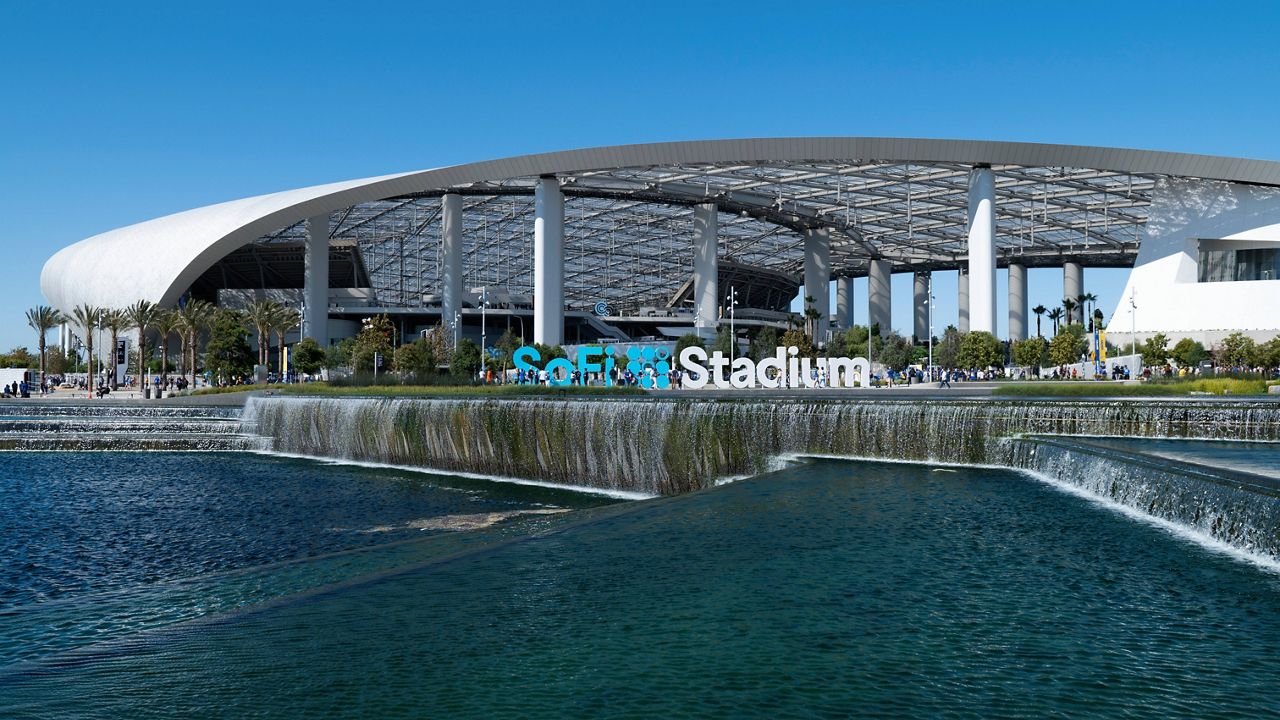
[(649, 241)]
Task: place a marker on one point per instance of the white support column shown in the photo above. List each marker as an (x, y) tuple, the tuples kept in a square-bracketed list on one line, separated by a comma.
[(817, 278), (1017, 302), (706, 269), (1073, 286), (315, 281), (844, 301), (920, 295), (879, 296), (982, 250), (548, 262), (962, 300), (451, 226)]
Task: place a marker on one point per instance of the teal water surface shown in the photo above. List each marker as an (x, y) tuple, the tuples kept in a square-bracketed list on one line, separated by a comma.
[(830, 589)]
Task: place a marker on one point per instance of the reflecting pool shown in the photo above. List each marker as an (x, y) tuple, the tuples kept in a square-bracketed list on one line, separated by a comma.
[(830, 588)]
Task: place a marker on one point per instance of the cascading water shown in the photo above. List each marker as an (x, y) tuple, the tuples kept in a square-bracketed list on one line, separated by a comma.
[(1239, 509), (107, 426), (672, 446)]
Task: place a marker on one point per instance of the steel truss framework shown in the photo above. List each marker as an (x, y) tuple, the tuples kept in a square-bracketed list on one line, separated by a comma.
[(628, 230)]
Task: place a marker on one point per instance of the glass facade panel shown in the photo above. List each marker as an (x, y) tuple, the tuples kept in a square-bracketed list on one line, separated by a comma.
[(1236, 265)]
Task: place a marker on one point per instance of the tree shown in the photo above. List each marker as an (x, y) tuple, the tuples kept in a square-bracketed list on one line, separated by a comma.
[(165, 322), (1029, 352), (19, 357), (1056, 315), (42, 319), (115, 321), (374, 338), (416, 360), (980, 349), (688, 340), (508, 343), (1188, 353), (465, 362), (228, 355), (1235, 350), (1069, 306), (1269, 353), (1039, 310), (799, 339), (282, 321), (192, 319), (764, 344), (725, 343), (1067, 346), (57, 363), (811, 317), (895, 351), (141, 315), (87, 317), (946, 353), (340, 353), (261, 314), (308, 356), (1153, 350)]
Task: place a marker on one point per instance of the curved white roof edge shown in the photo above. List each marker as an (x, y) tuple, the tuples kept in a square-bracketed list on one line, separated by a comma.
[(158, 259)]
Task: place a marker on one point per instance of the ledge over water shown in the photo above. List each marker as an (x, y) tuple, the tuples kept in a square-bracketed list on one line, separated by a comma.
[(669, 446)]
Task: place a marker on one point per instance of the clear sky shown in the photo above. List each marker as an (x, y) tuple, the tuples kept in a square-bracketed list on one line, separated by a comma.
[(117, 113)]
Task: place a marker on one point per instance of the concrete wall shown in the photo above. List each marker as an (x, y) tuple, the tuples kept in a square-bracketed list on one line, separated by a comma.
[(1169, 298)]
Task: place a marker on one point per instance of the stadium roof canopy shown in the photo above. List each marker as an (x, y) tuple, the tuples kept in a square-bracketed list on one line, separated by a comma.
[(628, 216)]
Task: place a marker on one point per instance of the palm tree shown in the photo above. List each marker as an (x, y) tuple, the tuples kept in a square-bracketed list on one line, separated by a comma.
[(260, 314), (87, 317), (117, 321), (1069, 306), (284, 320), (811, 317), (192, 318), (141, 315), (1055, 315), (42, 319), (1039, 310), (165, 322), (1088, 300)]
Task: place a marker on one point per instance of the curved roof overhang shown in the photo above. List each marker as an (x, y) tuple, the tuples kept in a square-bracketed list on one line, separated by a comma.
[(158, 259)]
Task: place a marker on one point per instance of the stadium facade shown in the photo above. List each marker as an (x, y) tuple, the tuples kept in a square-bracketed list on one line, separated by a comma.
[(651, 240)]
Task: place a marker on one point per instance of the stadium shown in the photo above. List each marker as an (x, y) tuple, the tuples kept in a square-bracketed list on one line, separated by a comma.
[(653, 241)]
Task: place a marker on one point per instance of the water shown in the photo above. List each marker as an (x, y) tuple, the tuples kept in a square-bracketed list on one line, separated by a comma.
[(101, 544), (1260, 458), (676, 445), (831, 589), (107, 425)]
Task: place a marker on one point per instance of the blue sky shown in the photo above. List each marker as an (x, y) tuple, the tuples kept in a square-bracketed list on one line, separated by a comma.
[(112, 115)]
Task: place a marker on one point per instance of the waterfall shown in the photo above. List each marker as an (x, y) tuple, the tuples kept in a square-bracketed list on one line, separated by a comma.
[(112, 427), (669, 446), (1238, 509)]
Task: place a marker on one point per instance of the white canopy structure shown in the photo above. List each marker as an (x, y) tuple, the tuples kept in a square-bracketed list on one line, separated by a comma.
[(636, 227)]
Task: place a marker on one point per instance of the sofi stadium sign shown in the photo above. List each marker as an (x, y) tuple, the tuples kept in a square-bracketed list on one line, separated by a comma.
[(654, 368)]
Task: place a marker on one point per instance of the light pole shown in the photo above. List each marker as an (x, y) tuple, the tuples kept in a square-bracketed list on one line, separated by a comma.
[(457, 328), (98, 374), (732, 300), (929, 304), (1133, 321), (484, 305)]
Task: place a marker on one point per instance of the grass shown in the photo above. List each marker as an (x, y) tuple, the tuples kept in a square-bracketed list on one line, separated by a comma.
[(235, 389), (1088, 388), (325, 389)]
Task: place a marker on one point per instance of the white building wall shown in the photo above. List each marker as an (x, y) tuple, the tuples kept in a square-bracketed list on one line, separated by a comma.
[(1164, 278)]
